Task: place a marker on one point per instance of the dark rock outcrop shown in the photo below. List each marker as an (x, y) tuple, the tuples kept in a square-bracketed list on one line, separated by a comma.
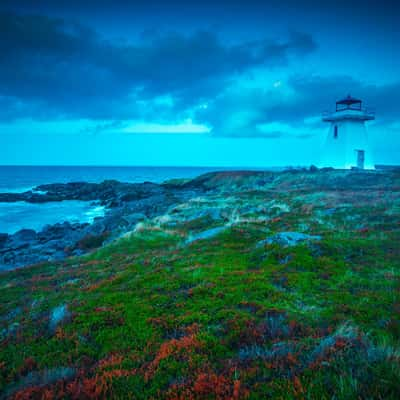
[(126, 205)]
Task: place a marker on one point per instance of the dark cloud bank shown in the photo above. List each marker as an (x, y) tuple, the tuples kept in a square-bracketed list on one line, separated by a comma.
[(52, 68)]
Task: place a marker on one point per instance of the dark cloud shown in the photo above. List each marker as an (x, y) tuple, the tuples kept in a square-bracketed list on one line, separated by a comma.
[(53, 68), (377, 8), (316, 94), (71, 70), (241, 112)]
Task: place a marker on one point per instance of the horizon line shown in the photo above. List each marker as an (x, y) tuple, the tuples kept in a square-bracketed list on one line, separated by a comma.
[(150, 166)]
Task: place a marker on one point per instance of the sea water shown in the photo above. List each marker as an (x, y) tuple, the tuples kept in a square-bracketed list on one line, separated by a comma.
[(22, 215)]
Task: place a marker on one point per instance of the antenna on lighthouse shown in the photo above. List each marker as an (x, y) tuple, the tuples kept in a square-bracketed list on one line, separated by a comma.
[(347, 141)]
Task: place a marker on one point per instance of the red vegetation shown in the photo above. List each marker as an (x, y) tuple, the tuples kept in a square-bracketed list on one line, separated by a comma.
[(186, 345), (28, 365), (208, 384)]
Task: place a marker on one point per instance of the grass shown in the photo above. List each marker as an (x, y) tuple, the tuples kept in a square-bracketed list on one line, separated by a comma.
[(221, 318)]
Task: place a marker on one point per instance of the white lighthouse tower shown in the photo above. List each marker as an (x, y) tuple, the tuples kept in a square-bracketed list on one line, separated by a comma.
[(347, 142)]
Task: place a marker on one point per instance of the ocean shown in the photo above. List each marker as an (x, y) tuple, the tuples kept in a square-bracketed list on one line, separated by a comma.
[(21, 215)]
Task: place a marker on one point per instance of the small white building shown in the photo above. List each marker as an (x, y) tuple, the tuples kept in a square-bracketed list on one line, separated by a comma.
[(347, 142)]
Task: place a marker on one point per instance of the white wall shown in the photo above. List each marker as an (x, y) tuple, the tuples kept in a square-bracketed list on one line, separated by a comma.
[(340, 152)]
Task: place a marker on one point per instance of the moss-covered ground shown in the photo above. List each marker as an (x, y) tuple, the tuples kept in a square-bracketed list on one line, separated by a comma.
[(229, 316)]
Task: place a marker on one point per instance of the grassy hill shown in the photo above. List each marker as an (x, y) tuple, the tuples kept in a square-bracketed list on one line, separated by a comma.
[(270, 285)]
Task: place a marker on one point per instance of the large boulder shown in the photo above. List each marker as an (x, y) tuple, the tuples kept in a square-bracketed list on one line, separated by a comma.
[(209, 233), (58, 316), (24, 235), (288, 239)]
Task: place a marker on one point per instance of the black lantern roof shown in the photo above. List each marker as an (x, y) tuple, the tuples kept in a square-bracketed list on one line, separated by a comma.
[(348, 103)]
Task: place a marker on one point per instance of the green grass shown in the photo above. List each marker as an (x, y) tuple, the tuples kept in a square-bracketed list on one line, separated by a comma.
[(151, 317)]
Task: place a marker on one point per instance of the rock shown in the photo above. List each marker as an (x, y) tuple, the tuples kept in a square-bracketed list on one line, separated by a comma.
[(213, 213), (24, 235), (58, 316), (134, 218), (205, 234), (58, 241), (11, 197), (289, 239), (325, 169), (90, 241), (3, 239), (77, 252), (127, 204)]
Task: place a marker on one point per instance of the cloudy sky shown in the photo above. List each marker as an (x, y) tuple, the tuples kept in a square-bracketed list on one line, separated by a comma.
[(217, 83)]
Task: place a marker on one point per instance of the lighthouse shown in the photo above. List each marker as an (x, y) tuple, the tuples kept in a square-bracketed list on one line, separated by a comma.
[(347, 142)]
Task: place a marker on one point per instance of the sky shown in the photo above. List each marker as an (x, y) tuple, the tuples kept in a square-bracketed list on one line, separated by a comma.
[(199, 83)]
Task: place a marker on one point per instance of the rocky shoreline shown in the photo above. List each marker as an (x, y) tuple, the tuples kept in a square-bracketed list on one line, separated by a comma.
[(126, 205)]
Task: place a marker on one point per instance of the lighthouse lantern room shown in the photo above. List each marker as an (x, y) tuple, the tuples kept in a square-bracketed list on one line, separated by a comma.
[(347, 142)]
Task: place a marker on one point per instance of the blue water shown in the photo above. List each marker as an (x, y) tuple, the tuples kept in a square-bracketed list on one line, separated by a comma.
[(22, 178), (21, 215)]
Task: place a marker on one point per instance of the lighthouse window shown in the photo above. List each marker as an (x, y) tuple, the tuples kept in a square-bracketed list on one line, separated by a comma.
[(335, 132)]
